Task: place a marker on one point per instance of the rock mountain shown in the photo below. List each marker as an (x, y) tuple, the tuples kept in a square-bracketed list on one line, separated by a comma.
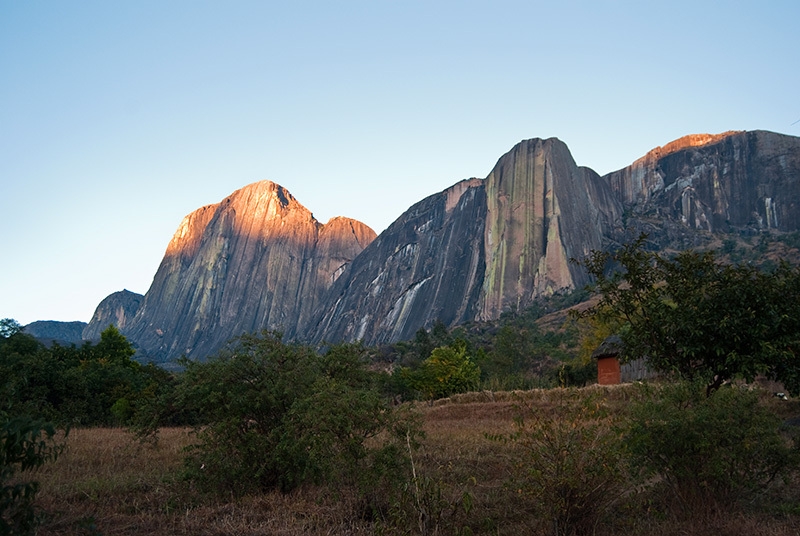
[(257, 260), (260, 260)]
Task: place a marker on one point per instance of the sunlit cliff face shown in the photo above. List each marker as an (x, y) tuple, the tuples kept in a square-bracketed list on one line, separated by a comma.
[(692, 140), (257, 224), (247, 211), (637, 183), (265, 212), (256, 260), (186, 239)]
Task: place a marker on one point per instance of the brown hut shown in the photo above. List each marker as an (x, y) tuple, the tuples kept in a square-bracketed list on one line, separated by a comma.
[(607, 355)]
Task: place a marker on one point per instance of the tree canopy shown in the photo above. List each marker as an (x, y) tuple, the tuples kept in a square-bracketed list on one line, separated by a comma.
[(447, 371), (277, 415), (698, 317), (91, 384)]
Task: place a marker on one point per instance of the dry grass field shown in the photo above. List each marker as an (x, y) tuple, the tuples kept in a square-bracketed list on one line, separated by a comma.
[(106, 483)]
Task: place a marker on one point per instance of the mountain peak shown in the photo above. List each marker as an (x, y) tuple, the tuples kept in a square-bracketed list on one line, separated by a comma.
[(256, 260)]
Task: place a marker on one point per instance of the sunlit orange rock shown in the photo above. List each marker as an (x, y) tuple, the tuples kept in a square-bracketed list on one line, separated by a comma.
[(257, 260)]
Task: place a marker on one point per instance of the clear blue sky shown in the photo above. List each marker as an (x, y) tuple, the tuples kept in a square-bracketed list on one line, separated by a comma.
[(119, 118)]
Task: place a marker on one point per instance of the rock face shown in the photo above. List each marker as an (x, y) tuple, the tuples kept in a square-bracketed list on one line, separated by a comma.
[(257, 260), (260, 260), (118, 309), (542, 211), (476, 249), (537, 210), (427, 265), (49, 331), (723, 183)]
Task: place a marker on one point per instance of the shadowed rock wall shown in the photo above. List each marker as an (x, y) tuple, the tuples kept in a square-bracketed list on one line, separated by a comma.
[(427, 265), (260, 260), (543, 210), (118, 309), (719, 183)]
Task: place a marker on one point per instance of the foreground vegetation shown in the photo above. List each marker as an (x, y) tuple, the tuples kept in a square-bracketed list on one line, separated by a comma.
[(476, 471)]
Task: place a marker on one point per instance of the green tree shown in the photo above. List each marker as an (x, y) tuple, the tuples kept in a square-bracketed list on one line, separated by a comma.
[(697, 317), (157, 404), (9, 327), (25, 445), (31, 381), (448, 370), (69, 384), (108, 377), (512, 351), (275, 416)]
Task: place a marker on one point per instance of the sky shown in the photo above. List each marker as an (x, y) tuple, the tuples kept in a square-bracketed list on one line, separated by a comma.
[(119, 118)]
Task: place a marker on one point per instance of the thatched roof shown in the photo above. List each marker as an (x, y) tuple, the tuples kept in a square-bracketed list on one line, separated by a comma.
[(611, 347)]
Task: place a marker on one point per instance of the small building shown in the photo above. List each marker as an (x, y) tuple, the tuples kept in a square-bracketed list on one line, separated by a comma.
[(607, 355), (609, 369)]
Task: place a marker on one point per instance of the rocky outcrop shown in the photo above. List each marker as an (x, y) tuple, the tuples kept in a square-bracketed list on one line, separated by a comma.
[(118, 309), (475, 250), (50, 331), (427, 265), (542, 211), (257, 260), (717, 183)]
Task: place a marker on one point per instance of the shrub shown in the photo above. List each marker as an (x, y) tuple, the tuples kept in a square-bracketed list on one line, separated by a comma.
[(698, 317), (25, 444), (708, 450), (278, 415), (448, 370), (570, 463)]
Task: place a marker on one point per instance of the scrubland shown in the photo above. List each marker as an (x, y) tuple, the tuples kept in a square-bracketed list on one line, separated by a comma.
[(471, 475)]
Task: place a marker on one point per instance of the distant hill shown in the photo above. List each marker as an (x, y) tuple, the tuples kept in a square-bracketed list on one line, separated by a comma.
[(49, 331)]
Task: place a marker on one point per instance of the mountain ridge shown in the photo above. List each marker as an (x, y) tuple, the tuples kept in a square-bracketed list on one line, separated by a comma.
[(259, 260)]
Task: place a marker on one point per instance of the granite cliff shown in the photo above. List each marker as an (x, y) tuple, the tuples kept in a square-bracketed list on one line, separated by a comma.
[(427, 265), (537, 210), (50, 331), (260, 260), (477, 249), (542, 211), (731, 182), (118, 308), (257, 260)]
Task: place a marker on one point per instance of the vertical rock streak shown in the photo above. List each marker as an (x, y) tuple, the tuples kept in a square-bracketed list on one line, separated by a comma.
[(530, 233), (426, 266), (717, 183)]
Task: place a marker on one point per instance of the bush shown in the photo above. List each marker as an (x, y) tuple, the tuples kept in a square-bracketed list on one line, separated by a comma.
[(698, 317), (571, 464), (448, 370), (25, 445), (276, 415), (708, 450), (94, 384)]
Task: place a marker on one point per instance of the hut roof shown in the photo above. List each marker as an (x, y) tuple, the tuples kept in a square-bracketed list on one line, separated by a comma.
[(610, 347)]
